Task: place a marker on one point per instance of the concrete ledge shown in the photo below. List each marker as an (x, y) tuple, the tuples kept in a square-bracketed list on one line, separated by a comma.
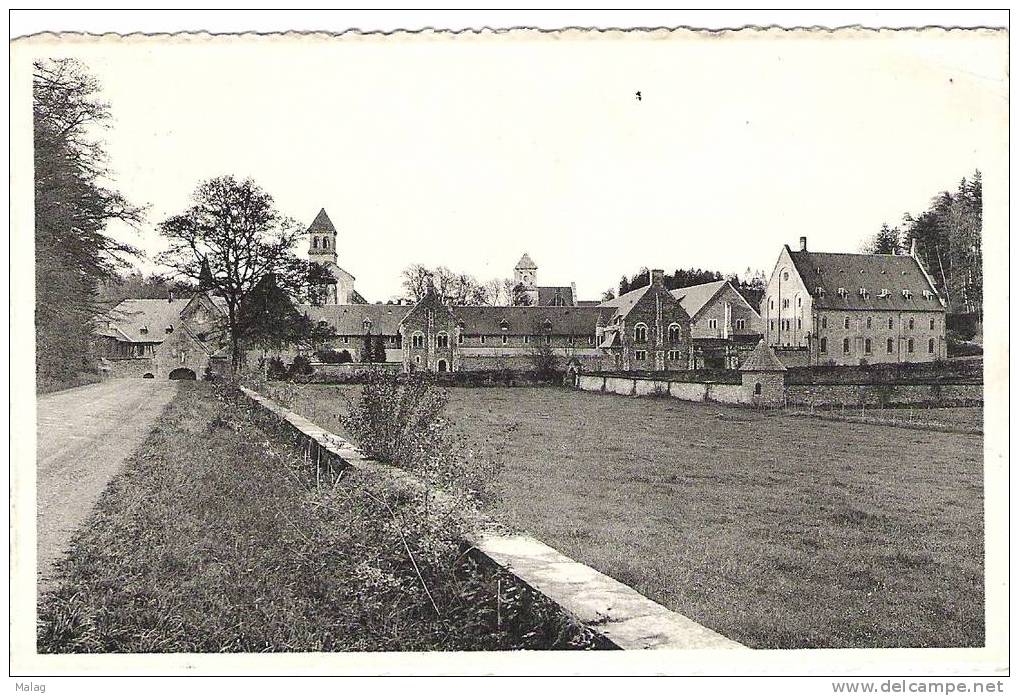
[(619, 615)]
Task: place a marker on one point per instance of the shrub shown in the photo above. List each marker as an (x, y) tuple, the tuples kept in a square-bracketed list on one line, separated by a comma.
[(277, 369), (334, 357), (401, 421), (301, 366)]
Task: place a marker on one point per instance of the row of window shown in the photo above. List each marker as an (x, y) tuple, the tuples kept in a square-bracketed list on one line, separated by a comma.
[(736, 323), (325, 242), (869, 322), (787, 324), (889, 346), (641, 355), (442, 340), (785, 302)]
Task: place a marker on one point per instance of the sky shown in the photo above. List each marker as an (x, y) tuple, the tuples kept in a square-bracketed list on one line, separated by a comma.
[(468, 151)]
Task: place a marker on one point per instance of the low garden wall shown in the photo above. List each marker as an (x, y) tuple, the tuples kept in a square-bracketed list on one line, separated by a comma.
[(618, 615), (686, 391), (828, 395)]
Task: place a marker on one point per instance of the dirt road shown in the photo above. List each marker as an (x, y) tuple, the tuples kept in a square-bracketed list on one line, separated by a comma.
[(84, 435)]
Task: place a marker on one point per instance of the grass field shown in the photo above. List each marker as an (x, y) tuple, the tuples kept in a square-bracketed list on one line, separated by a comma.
[(776, 530), (966, 419)]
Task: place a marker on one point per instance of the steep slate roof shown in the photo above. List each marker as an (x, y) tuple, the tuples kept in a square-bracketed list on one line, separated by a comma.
[(547, 294), (763, 359), (348, 320), (528, 321), (127, 319), (525, 263), (625, 302), (695, 297), (321, 223), (870, 271)]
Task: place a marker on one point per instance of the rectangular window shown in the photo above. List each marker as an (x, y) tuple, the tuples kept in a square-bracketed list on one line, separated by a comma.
[(824, 322), (460, 339), (772, 324), (891, 346), (674, 355), (590, 340), (799, 323), (866, 346), (527, 339), (868, 322), (845, 345), (640, 355), (482, 340), (891, 324), (910, 324), (712, 323), (932, 324), (824, 345), (845, 323), (504, 339)]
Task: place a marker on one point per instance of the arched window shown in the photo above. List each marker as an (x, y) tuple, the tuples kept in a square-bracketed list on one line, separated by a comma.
[(910, 324), (325, 242), (932, 323), (757, 389), (366, 325), (845, 323), (417, 340), (909, 346), (845, 345), (930, 345), (771, 303), (891, 323), (824, 322), (824, 344), (442, 340), (866, 345), (314, 242), (891, 345), (640, 333), (674, 333)]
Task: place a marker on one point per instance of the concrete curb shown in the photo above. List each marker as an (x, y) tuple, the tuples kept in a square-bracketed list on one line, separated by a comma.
[(619, 615)]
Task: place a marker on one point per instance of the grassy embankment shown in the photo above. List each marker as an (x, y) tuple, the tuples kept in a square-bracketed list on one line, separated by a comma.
[(214, 537)]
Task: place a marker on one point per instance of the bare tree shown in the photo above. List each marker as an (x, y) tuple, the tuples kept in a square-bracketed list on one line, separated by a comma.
[(234, 229)]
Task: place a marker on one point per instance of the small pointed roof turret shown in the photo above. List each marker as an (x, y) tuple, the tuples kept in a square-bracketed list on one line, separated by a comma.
[(763, 359), (526, 264), (322, 223), (205, 279)]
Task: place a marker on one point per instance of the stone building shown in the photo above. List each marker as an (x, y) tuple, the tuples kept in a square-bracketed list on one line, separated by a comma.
[(724, 327), (647, 329), (831, 308), (163, 339), (525, 276), (322, 250)]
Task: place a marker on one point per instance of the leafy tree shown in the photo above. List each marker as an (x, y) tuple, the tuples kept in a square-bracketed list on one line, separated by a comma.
[(136, 285), (368, 350), (624, 285), (520, 296), (948, 236), (267, 318), (887, 240), (379, 348), (73, 252), (234, 229)]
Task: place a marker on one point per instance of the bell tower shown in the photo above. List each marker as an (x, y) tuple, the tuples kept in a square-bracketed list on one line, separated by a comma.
[(322, 240)]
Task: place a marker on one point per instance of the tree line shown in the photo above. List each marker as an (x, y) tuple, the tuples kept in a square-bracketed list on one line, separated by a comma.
[(948, 238), (751, 285)]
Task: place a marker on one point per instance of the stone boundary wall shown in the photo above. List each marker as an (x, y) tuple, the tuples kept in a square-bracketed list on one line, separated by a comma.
[(685, 391), (616, 613), (825, 395), (818, 395)]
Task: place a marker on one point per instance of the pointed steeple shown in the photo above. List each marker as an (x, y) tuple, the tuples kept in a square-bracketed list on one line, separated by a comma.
[(322, 223), (205, 279), (525, 264)]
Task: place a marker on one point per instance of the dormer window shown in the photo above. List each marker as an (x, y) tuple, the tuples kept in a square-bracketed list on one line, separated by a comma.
[(842, 293), (548, 326), (367, 325), (143, 330), (863, 293), (884, 293), (819, 291), (504, 325), (169, 329), (928, 295), (907, 294)]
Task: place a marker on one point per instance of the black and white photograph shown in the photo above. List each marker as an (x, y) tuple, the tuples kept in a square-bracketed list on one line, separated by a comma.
[(621, 347)]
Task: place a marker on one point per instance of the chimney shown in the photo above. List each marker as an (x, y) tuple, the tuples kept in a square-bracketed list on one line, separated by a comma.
[(912, 248), (169, 295), (803, 243), (658, 277)]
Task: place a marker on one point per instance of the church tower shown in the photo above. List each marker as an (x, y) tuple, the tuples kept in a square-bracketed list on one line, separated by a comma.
[(526, 272), (322, 239), (322, 250)]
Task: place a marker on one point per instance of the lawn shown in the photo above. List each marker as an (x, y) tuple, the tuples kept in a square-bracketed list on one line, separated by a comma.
[(216, 537), (776, 530)]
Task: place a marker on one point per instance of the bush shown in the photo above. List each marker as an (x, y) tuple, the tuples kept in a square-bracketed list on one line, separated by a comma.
[(277, 369), (334, 357), (301, 366), (401, 421)]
